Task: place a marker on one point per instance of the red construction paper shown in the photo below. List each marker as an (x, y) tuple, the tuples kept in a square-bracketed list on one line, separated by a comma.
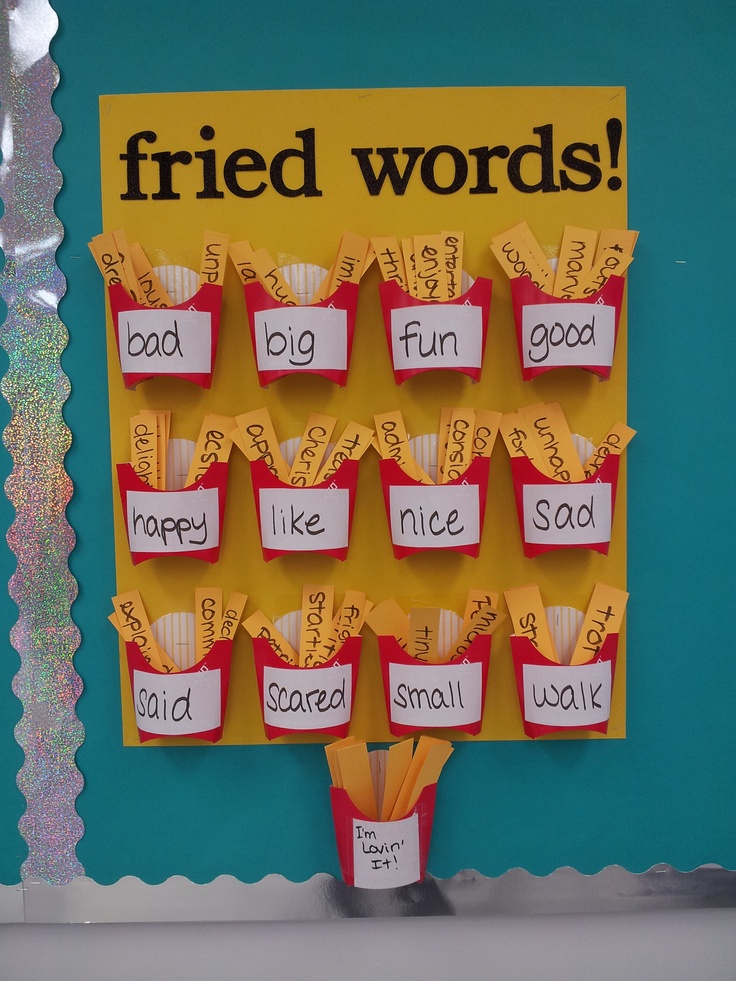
[(217, 659), (524, 294), (475, 476), (318, 677), (258, 300), (478, 653), (207, 300), (345, 815), (213, 480), (394, 298), (302, 506), (525, 474), (524, 652)]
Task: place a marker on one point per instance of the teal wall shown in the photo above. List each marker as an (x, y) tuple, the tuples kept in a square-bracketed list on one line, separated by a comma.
[(665, 794)]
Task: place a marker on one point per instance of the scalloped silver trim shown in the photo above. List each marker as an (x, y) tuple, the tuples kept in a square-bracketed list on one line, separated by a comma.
[(36, 388), (225, 899)]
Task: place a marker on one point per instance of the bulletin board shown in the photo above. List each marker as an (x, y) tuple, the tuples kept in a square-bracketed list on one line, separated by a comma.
[(308, 153), (662, 793)]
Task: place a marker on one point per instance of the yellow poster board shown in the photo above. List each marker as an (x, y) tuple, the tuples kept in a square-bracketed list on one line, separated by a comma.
[(291, 172)]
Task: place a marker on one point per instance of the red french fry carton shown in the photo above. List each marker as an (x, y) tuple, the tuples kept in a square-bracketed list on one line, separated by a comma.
[(563, 697), (189, 703), (315, 520), (428, 517), (422, 696), (383, 854), (317, 699), (556, 515), (178, 522), (425, 336), (314, 338), (554, 332), (172, 342)]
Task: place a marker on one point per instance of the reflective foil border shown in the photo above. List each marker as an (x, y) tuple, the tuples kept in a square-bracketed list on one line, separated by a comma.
[(54, 888), (274, 898), (36, 388)]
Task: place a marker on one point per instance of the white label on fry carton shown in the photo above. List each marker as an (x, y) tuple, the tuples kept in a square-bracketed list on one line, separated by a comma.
[(307, 698), (173, 521), (437, 336), (567, 696), (567, 514), (305, 519), (177, 704), (301, 339), (559, 334), (435, 517), (386, 853), (165, 342), (434, 697)]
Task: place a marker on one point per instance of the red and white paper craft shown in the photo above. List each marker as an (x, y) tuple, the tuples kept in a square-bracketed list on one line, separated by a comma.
[(172, 342), (315, 520), (428, 517), (382, 854), (426, 336), (557, 515), (180, 522), (422, 696), (554, 332), (314, 338), (563, 697), (189, 703), (318, 699)]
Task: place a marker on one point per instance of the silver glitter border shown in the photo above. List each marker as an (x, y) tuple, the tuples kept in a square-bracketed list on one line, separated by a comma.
[(37, 439), (274, 898)]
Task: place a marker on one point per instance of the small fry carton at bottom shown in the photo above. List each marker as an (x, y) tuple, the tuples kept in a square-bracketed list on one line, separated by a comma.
[(186, 522), (555, 332), (317, 699), (316, 338), (383, 854), (421, 696), (174, 342), (428, 335), (315, 519), (563, 697), (383, 808), (183, 704), (435, 517), (557, 515)]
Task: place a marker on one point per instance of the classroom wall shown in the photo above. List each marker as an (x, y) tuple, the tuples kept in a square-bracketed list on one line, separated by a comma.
[(672, 945)]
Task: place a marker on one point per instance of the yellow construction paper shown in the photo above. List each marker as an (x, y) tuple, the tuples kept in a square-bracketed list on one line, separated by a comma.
[(424, 634), (526, 610), (604, 616), (397, 767), (317, 604), (575, 260), (322, 128)]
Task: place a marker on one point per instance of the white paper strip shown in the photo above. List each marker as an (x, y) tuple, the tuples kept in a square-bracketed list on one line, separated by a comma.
[(173, 522), (567, 514), (304, 519), (435, 517), (555, 334), (301, 339), (429, 696), (165, 342), (311, 698), (177, 704), (386, 853), (569, 696), (437, 336)]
